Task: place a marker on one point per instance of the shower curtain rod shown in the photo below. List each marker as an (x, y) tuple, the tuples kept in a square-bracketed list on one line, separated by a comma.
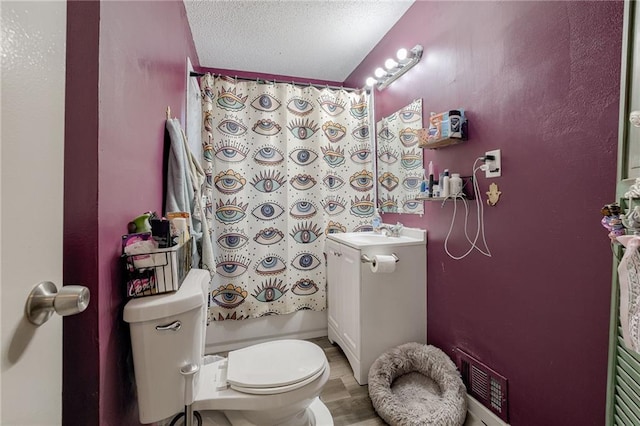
[(265, 81)]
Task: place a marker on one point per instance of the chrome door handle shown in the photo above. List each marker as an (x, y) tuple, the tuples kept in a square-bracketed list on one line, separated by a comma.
[(45, 299), (174, 326)]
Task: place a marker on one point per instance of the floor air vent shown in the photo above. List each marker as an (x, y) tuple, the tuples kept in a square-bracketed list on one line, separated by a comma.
[(484, 384)]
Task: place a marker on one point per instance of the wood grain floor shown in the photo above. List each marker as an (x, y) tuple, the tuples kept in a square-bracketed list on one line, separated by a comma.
[(347, 401)]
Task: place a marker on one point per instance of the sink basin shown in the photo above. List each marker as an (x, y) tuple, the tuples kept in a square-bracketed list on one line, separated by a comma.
[(409, 236)]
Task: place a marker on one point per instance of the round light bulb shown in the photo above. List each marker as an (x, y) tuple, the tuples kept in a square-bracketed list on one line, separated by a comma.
[(402, 54), (390, 64), (379, 72), (371, 82)]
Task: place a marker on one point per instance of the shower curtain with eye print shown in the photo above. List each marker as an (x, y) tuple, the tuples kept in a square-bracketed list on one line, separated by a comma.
[(400, 169), (286, 165)]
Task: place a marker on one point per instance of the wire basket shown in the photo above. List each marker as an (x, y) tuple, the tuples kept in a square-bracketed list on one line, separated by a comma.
[(156, 272)]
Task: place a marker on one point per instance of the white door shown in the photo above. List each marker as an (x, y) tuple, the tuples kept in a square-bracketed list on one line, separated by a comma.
[(31, 182)]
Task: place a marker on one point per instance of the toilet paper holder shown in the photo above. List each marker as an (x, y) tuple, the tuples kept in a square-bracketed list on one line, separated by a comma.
[(366, 259), (45, 299)]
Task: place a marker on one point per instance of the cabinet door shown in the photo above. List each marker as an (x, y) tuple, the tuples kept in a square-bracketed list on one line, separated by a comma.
[(623, 391), (350, 294), (332, 250)]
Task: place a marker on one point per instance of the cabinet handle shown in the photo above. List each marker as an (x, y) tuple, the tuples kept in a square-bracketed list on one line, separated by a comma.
[(634, 118)]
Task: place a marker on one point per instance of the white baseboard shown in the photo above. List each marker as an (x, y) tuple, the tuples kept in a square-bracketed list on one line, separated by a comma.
[(479, 415)]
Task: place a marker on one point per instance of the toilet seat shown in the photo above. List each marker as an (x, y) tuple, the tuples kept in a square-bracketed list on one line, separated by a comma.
[(275, 367), (279, 389)]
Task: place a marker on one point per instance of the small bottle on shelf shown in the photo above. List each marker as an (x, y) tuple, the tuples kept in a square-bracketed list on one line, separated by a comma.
[(445, 185)]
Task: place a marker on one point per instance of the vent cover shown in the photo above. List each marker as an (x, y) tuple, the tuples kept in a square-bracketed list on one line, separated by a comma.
[(484, 384)]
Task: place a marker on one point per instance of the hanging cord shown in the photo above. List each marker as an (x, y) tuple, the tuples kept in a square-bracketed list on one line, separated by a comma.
[(453, 220), (480, 221)]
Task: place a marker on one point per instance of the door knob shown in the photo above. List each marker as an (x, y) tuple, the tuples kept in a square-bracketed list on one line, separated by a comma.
[(45, 299), (634, 118)]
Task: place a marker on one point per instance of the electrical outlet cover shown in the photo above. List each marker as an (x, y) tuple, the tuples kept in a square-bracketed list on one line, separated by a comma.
[(495, 166)]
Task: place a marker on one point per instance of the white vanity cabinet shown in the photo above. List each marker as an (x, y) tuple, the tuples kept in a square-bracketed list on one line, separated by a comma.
[(343, 299), (369, 312)]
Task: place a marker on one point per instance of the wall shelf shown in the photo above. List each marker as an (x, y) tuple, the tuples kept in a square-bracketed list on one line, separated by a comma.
[(438, 198), (440, 143), (467, 191), (445, 129)]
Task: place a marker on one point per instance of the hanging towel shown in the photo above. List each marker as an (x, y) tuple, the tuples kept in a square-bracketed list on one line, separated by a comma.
[(185, 178), (629, 277)]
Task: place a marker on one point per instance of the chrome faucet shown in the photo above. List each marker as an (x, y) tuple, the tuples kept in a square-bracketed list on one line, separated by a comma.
[(389, 230)]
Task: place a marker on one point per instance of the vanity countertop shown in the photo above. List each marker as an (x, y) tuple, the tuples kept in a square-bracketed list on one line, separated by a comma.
[(358, 240)]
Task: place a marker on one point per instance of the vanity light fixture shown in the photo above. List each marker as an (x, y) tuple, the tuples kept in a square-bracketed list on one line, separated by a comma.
[(390, 65), (394, 69)]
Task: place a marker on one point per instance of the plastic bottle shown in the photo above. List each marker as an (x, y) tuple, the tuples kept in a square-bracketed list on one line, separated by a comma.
[(445, 185), (376, 221), (430, 189), (455, 183)]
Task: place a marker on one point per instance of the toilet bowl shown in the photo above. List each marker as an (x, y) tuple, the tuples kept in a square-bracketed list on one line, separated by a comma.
[(272, 383)]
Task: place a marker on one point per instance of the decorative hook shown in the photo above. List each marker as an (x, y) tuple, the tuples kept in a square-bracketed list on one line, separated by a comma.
[(493, 195)]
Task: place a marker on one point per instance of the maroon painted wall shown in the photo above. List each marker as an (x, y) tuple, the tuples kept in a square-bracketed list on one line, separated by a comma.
[(540, 81), (120, 81), (80, 369)]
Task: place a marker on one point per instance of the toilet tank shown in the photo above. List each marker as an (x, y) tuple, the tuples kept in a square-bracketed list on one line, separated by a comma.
[(167, 332)]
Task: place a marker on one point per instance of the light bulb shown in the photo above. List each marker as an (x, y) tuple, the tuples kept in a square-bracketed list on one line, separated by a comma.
[(371, 82), (379, 72), (390, 64), (402, 54)]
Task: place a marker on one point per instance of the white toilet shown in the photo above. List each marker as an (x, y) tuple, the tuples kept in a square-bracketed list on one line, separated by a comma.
[(273, 383)]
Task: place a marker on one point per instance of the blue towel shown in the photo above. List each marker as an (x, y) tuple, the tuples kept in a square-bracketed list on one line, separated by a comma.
[(185, 178)]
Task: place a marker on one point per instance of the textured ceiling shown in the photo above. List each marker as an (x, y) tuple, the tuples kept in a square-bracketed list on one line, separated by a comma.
[(318, 39)]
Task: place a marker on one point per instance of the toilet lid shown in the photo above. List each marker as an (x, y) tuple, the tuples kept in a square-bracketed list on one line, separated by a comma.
[(273, 365)]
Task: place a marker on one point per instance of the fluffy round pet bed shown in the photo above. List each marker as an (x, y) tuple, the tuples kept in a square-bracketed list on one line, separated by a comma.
[(415, 384)]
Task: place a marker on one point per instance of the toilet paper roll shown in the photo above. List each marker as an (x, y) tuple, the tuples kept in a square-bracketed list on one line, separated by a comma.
[(383, 263)]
